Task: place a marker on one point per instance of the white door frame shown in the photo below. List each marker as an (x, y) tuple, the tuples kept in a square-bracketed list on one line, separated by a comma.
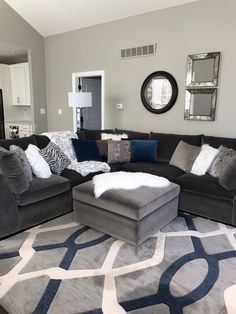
[(74, 89)]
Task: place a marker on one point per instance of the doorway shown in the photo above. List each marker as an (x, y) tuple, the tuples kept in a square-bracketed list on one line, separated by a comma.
[(93, 117)]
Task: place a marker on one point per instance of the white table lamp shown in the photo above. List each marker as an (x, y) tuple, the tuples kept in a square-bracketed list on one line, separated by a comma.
[(80, 100)]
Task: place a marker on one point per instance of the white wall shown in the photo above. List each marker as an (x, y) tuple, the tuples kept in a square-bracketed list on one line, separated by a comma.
[(202, 26)]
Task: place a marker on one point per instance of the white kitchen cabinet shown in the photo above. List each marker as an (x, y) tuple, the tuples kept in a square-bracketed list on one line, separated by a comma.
[(20, 84)]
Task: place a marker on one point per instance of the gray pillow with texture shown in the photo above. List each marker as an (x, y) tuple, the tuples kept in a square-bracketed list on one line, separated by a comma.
[(223, 157), (118, 151), (24, 161), (227, 178), (12, 170), (184, 156)]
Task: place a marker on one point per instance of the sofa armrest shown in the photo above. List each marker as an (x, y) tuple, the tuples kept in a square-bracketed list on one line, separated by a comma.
[(8, 210)]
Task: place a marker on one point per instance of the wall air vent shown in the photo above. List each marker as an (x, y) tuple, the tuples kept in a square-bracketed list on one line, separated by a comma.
[(141, 51)]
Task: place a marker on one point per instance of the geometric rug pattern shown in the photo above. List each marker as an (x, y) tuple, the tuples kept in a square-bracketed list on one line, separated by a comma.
[(63, 267)]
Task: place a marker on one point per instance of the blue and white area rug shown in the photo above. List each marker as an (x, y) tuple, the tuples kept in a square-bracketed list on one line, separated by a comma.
[(63, 267)]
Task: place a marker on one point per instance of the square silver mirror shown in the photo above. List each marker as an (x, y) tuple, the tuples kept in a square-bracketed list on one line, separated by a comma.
[(200, 104), (203, 69)]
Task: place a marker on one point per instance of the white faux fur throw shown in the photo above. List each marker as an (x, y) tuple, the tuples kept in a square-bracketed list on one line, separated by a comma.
[(127, 181)]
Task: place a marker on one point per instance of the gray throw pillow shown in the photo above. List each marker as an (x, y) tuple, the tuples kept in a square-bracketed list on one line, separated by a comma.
[(12, 170), (184, 156), (24, 161), (118, 151), (227, 178), (223, 157), (55, 158)]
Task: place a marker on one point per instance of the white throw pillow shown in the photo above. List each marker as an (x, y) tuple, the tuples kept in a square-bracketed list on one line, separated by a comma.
[(204, 160), (38, 164), (113, 137)]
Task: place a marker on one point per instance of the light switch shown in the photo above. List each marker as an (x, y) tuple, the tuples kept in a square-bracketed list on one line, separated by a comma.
[(119, 106), (59, 111), (42, 111)]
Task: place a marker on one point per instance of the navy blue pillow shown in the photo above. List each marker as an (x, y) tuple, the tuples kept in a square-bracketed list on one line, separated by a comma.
[(143, 151), (86, 150)]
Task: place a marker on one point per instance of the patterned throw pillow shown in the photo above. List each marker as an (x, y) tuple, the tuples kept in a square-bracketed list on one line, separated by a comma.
[(63, 140), (224, 156), (24, 161), (118, 151), (55, 157)]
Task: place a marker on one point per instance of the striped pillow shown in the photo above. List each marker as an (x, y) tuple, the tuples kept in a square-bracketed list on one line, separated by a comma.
[(55, 158)]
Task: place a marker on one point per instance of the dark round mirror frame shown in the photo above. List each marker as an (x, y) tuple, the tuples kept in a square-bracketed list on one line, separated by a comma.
[(174, 95)]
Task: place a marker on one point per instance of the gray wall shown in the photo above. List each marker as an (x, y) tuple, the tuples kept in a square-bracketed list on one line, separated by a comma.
[(202, 26), (15, 31)]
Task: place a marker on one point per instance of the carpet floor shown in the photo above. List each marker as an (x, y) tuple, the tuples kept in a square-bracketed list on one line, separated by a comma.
[(63, 267)]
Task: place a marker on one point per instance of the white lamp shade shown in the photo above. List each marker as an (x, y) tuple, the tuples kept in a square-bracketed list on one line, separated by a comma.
[(80, 99)]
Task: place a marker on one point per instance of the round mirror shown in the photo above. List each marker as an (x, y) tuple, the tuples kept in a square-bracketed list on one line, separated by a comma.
[(159, 92)]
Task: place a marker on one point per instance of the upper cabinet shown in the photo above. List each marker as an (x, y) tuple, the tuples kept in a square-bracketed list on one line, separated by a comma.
[(20, 84)]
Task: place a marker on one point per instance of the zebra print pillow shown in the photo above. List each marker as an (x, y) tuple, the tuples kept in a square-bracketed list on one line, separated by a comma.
[(55, 157)]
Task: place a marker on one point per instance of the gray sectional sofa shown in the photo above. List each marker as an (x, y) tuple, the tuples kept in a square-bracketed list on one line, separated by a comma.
[(49, 198)]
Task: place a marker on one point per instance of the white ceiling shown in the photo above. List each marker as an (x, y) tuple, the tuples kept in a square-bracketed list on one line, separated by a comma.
[(51, 17)]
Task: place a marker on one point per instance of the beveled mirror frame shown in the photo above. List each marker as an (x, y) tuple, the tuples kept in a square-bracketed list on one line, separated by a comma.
[(215, 71), (189, 95)]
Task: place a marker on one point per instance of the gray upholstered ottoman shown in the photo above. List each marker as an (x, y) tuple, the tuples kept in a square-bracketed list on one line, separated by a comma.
[(131, 216)]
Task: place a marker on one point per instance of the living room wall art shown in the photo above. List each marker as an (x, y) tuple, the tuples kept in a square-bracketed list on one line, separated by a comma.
[(159, 92), (201, 86)]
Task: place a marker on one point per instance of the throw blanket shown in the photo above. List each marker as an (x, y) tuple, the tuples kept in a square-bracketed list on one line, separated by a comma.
[(87, 167), (63, 140), (126, 181)]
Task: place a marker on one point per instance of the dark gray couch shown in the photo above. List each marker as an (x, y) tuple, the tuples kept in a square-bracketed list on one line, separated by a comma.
[(200, 195), (49, 198), (44, 200)]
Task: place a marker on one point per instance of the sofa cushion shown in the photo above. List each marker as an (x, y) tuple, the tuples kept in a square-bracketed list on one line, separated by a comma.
[(102, 148), (86, 150), (184, 156), (168, 143), (116, 167), (218, 141), (118, 151), (227, 177), (133, 134), (143, 151), (42, 141), (55, 158), (23, 160), (114, 136), (22, 142), (204, 185), (222, 159), (13, 172), (160, 169), (38, 164), (76, 178), (41, 189), (204, 160)]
